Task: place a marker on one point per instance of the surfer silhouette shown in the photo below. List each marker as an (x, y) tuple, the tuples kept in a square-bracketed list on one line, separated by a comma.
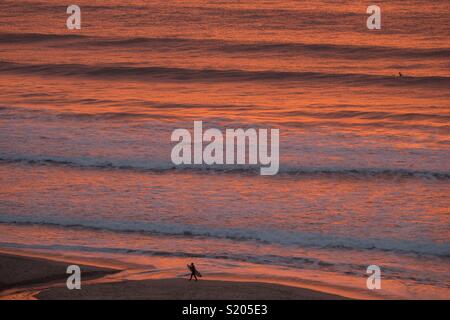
[(400, 74), (194, 272)]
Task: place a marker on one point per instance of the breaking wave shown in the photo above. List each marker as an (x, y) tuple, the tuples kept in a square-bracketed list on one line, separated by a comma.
[(303, 239), (161, 166)]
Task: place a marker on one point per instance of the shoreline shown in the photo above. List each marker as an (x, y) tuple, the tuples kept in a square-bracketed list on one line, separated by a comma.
[(18, 271), (35, 276)]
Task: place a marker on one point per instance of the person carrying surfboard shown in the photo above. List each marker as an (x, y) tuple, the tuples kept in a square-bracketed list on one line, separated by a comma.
[(194, 272)]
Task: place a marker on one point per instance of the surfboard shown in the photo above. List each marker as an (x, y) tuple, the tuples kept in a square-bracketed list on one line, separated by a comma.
[(198, 274)]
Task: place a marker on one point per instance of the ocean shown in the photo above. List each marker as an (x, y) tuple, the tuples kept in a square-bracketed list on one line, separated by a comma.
[(86, 118)]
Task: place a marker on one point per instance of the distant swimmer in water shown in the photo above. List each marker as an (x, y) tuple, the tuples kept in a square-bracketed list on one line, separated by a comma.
[(400, 74)]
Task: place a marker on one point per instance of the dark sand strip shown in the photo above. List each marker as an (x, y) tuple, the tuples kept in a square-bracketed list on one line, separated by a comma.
[(29, 272), (181, 289), (20, 271)]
